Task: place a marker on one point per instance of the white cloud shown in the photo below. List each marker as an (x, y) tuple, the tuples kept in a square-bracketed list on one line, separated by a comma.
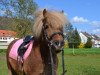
[(96, 31), (95, 23), (79, 20), (80, 30), (2, 12)]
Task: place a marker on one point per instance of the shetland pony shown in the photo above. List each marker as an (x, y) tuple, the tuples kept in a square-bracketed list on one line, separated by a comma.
[(48, 37)]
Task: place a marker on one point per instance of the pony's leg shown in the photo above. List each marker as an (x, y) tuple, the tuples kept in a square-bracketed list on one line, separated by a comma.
[(11, 71), (11, 66)]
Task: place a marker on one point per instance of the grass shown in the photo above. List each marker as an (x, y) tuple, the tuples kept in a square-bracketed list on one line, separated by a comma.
[(83, 62), (3, 66), (81, 65), (83, 51)]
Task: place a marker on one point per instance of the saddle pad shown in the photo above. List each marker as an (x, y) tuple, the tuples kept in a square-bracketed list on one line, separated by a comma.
[(13, 52)]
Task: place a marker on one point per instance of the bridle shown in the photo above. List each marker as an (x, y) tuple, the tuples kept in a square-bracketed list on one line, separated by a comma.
[(50, 44), (49, 38)]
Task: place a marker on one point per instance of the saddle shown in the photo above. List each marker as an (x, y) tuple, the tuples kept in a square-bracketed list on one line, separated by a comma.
[(22, 48)]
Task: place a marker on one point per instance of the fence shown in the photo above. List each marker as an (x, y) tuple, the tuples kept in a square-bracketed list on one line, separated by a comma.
[(4, 45)]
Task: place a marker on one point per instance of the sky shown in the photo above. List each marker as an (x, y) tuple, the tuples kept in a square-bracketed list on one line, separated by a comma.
[(83, 14)]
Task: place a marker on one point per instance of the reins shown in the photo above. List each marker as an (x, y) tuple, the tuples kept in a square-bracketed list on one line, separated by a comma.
[(51, 56), (49, 45), (52, 62), (63, 63)]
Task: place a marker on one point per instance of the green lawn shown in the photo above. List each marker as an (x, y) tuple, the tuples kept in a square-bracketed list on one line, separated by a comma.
[(83, 51), (3, 66), (83, 62)]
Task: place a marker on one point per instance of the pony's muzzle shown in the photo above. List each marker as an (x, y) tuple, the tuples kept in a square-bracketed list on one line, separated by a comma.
[(58, 44)]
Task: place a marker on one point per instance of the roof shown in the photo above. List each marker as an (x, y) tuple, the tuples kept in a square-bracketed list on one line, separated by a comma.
[(95, 37), (7, 33), (86, 34), (92, 36)]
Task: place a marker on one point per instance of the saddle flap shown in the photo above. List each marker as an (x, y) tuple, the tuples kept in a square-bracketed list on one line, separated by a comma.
[(14, 50)]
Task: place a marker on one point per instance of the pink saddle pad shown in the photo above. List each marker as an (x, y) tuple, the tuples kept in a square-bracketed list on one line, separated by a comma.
[(13, 53)]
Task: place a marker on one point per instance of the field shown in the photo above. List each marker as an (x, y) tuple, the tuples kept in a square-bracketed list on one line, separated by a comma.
[(77, 62)]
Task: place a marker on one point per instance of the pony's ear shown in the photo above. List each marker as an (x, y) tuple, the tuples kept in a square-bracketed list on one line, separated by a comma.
[(44, 12), (62, 11)]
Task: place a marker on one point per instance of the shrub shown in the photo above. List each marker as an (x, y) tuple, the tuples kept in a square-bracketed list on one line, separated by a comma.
[(81, 45), (88, 43), (66, 44)]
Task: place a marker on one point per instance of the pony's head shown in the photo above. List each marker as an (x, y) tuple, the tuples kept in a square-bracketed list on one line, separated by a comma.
[(49, 25)]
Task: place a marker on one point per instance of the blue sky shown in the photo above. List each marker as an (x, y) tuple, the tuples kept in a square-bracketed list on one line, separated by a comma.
[(83, 14)]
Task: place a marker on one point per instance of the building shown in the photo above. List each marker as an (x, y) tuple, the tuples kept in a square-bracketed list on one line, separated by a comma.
[(94, 38), (6, 36), (96, 41), (83, 38)]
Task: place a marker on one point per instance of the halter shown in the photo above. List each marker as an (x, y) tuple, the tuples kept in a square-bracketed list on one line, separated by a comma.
[(50, 43)]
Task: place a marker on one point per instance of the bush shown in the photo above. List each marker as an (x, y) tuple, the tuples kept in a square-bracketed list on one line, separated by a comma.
[(88, 43), (81, 45), (66, 44)]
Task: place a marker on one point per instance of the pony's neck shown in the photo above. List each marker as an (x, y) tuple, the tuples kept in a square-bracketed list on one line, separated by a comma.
[(45, 54)]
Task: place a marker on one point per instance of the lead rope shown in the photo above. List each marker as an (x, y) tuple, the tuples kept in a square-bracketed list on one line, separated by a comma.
[(49, 45), (52, 62), (63, 64)]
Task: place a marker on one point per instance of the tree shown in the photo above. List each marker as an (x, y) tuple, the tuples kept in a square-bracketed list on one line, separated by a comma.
[(22, 13), (68, 29), (88, 43), (74, 39), (4, 23)]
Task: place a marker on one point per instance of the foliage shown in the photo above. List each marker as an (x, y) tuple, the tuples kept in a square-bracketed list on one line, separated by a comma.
[(88, 43), (66, 44), (5, 23), (22, 27), (81, 45), (72, 36), (74, 39), (67, 29), (20, 9), (2, 50), (21, 13)]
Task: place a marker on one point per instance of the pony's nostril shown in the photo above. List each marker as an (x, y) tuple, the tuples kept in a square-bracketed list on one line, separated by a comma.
[(59, 43), (56, 43)]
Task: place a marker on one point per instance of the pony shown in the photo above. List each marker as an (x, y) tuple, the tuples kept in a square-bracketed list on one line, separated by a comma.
[(48, 42)]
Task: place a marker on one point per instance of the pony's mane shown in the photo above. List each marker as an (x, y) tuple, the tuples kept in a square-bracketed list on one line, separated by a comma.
[(54, 18)]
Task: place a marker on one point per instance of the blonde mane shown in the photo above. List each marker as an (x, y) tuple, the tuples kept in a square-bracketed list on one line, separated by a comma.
[(54, 18)]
